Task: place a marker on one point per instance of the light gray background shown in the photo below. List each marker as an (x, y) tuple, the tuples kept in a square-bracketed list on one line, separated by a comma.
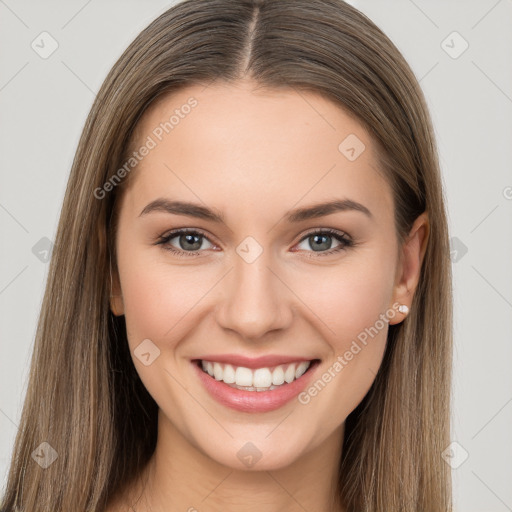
[(43, 105)]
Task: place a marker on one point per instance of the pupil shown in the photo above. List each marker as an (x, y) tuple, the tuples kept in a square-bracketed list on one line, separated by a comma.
[(318, 245), (188, 239)]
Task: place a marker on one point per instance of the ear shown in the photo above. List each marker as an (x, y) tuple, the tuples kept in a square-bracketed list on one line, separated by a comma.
[(408, 273), (116, 296)]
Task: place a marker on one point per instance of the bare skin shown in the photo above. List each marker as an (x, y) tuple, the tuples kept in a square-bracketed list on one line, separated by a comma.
[(253, 155)]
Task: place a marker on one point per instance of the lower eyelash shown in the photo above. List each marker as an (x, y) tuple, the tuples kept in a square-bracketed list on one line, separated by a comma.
[(164, 240), (345, 241)]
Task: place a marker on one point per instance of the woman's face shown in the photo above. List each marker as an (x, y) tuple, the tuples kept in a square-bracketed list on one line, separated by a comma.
[(263, 274)]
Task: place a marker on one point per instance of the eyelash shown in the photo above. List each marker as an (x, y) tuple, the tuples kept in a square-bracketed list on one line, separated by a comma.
[(345, 241)]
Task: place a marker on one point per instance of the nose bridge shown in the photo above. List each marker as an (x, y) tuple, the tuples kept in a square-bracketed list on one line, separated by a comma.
[(255, 301)]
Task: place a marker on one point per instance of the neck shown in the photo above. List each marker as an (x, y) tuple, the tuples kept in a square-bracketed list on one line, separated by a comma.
[(181, 477)]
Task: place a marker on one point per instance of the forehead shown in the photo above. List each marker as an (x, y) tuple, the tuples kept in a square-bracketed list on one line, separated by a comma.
[(230, 143)]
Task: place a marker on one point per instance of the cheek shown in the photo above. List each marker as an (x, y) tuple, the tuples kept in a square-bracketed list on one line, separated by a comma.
[(159, 298), (141, 288), (349, 297), (159, 306), (352, 301), (155, 300)]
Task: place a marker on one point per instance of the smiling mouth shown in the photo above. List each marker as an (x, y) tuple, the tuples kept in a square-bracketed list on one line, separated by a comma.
[(259, 379)]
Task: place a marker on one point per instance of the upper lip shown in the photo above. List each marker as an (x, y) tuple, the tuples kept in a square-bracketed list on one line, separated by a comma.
[(253, 362)]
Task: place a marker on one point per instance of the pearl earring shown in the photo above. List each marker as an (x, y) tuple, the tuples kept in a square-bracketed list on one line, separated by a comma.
[(403, 309)]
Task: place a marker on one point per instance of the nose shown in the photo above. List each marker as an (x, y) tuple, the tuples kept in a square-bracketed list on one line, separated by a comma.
[(254, 300)]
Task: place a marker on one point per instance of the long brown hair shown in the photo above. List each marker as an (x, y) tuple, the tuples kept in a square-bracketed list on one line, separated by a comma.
[(84, 396)]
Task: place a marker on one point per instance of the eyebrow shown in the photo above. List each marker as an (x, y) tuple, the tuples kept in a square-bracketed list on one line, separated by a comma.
[(293, 216)]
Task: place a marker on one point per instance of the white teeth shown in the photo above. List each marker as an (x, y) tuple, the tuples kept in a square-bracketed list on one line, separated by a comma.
[(229, 374), (243, 376), (217, 371), (261, 379), (289, 374), (301, 369), (278, 376)]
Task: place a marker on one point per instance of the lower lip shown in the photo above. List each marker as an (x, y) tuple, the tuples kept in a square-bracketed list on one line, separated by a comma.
[(254, 401)]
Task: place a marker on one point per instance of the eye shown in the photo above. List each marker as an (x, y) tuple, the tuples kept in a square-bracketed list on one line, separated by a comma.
[(321, 242), (188, 242)]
